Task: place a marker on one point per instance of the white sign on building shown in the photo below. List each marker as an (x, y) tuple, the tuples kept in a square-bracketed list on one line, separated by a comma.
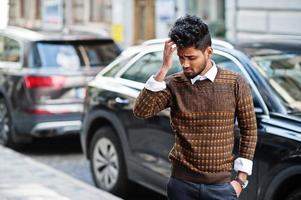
[(165, 16), (52, 15)]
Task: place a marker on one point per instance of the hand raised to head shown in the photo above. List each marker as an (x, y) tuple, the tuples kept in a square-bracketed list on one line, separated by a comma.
[(169, 48)]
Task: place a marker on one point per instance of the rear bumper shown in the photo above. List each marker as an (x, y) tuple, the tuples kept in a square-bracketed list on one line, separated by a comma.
[(47, 125), (56, 128)]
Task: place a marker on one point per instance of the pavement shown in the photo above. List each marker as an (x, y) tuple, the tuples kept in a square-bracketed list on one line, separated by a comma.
[(22, 178)]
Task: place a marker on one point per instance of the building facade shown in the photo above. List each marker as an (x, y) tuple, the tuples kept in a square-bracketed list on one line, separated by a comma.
[(247, 19), (127, 21), (4, 13)]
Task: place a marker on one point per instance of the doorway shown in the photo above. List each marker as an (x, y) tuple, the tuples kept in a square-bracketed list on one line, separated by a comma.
[(144, 20)]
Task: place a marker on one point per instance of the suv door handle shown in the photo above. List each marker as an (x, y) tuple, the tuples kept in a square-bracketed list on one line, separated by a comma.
[(121, 101)]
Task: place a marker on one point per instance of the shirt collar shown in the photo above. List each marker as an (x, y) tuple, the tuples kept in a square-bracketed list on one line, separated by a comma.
[(211, 74)]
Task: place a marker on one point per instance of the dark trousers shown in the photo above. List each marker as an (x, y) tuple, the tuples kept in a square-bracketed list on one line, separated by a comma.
[(184, 190)]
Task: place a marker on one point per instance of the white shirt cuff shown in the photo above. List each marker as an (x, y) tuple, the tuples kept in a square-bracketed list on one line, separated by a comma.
[(155, 86), (243, 165)]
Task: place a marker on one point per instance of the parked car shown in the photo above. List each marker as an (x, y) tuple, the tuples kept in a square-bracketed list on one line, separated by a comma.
[(121, 147), (42, 80)]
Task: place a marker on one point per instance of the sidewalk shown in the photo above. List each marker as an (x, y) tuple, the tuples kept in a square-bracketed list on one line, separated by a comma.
[(22, 178)]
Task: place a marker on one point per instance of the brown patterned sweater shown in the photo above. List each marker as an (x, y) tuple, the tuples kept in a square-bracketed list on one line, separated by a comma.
[(202, 118)]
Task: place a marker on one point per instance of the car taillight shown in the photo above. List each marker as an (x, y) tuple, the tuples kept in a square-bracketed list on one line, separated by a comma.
[(56, 82), (38, 111)]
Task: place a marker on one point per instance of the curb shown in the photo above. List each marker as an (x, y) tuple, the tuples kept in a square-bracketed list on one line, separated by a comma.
[(18, 172)]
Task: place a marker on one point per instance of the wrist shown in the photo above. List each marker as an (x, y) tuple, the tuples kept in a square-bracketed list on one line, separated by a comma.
[(242, 182), (160, 76), (242, 175)]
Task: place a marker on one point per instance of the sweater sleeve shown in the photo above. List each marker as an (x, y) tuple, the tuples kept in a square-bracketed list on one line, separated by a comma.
[(149, 103), (246, 120)]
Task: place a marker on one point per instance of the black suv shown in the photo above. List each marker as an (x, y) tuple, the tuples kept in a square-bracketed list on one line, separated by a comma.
[(42, 80), (121, 147)]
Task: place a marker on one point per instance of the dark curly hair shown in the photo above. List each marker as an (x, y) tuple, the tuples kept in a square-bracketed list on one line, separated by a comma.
[(190, 31)]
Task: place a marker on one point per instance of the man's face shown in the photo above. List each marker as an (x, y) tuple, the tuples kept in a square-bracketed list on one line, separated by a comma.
[(193, 60)]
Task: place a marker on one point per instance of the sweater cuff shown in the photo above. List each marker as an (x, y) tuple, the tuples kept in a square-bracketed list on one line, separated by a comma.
[(243, 165), (155, 86)]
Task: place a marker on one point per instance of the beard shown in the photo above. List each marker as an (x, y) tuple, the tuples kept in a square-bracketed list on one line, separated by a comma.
[(190, 73)]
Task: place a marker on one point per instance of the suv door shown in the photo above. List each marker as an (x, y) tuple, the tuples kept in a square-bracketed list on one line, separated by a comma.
[(150, 140)]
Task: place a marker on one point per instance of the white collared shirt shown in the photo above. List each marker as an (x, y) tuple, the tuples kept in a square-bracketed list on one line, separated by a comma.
[(211, 74)]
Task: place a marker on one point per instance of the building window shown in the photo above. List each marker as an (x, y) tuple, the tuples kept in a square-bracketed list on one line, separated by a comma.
[(101, 11)]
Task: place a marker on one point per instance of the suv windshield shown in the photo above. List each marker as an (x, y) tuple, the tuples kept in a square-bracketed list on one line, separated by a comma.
[(283, 73), (74, 54)]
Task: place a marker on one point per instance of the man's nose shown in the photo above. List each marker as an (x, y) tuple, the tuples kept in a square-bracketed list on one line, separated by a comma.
[(185, 64)]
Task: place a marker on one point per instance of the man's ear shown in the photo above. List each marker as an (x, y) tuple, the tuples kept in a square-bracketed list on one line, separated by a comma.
[(209, 52)]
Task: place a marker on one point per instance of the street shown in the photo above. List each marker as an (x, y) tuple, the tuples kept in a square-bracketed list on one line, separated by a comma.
[(204, 91), (64, 154)]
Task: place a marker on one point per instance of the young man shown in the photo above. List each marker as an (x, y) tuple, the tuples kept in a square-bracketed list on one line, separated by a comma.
[(204, 101)]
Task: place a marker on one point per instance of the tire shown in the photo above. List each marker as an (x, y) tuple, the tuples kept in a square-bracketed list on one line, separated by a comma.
[(107, 162), (5, 125), (295, 195)]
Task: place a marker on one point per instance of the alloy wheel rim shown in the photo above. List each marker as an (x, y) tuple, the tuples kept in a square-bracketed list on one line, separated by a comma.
[(4, 123), (105, 163)]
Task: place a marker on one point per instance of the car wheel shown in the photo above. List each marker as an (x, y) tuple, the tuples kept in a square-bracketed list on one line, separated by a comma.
[(107, 162), (295, 195), (5, 124)]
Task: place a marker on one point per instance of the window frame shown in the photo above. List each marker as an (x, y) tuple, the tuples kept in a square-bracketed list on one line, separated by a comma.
[(136, 58), (154, 67), (131, 83), (246, 75)]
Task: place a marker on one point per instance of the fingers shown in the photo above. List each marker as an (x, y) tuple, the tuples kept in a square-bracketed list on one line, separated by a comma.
[(169, 43), (170, 46), (236, 187), (174, 47)]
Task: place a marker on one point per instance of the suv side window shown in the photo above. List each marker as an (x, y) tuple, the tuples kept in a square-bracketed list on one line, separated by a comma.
[(9, 50), (227, 63), (117, 65), (148, 65)]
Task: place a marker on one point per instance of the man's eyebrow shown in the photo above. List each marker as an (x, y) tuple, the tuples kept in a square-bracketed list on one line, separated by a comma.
[(189, 55)]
